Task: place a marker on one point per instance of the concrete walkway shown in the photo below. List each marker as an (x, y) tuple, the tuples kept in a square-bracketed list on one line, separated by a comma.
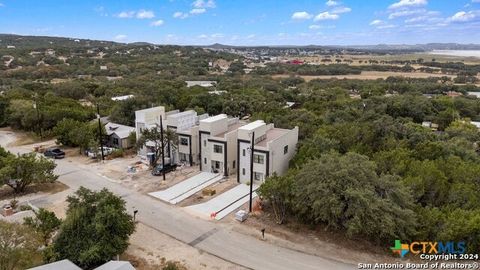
[(225, 203), (187, 188)]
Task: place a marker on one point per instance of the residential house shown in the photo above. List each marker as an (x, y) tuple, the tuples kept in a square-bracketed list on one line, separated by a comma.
[(184, 125), (147, 119), (118, 135), (217, 144), (122, 98), (201, 83), (273, 150)]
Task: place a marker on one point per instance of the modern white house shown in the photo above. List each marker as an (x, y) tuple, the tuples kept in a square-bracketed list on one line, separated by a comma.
[(273, 150), (217, 136), (147, 119)]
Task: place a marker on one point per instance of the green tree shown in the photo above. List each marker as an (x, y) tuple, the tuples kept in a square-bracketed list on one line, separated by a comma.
[(278, 191), (18, 246), (96, 228), (45, 223), (344, 192), (23, 170)]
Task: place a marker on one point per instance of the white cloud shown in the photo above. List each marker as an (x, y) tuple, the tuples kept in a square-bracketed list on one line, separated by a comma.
[(120, 37), (462, 16), (252, 36), (198, 11), (145, 14), (386, 26), (341, 10), (406, 12), (126, 14), (301, 15), (314, 27), (157, 23), (326, 16), (376, 22), (408, 3), (331, 3), (2, 5), (202, 36), (180, 15), (204, 4), (141, 14), (475, 1), (216, 35)]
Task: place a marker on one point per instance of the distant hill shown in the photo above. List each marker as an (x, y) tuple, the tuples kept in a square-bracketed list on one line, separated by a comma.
[(44, 42)]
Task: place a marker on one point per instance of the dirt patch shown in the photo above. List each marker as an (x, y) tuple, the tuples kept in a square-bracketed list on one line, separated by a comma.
[(6, 192), (155, 249), (219, 188), (315, 240), (369, 75)]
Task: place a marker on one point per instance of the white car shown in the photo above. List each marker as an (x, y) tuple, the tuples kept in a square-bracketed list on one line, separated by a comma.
[(106, 151)]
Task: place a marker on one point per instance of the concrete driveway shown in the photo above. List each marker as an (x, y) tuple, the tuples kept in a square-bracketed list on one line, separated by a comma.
[(225, 203), (187, 188)]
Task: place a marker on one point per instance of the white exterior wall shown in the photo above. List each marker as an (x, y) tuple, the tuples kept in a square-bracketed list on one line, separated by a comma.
[(278, 160), (205, 152), (183, 120)]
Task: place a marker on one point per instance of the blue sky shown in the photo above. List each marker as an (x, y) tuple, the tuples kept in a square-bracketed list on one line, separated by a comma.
[(248, 22)]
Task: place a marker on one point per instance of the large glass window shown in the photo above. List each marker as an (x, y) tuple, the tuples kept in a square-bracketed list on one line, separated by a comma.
[(285, 149), (183, 141), (217, 149), (260, 159), (257, 176)]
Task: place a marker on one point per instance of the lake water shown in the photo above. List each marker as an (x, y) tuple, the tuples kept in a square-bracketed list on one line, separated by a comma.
[(463, 53)]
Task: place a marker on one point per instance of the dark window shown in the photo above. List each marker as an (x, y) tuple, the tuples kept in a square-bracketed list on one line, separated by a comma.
[(285, 149), (205, 143), (183, 141), (257, 176), (234, 164), (243, 171), (205, 160), (258, 159), (115, 141), (217, 165), (243, 151), (217, 149)]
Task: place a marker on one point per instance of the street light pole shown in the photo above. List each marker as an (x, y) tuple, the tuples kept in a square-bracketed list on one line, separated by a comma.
[(163, 148), (100, 137), (251, 170)]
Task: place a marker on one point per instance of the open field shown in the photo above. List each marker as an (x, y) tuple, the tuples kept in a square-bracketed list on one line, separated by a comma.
[(369, 75)]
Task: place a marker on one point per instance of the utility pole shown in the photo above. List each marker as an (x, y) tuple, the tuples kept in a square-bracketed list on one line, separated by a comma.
[(251, 170), (163, 148), (100, 136), (39, 124)]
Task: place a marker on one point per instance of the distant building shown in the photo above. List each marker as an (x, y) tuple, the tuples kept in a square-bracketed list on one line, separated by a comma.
[(273, 150), (10, 47), (147, 119), (118, 135), (453, 94), (475, 94), (201, 83), (121, 98), (103, 68)]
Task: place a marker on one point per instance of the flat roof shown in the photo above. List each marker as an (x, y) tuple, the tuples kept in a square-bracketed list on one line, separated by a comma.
[(253, 125), (230, 129), (271, 135), (60, 265), (175, 115), (214, 118), (152, 109)]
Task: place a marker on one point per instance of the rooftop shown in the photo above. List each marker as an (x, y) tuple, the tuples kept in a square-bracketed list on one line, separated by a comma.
[(60, 265), (214, 118), (121, 130), (253, 125), (272, 135), (230, 129)]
